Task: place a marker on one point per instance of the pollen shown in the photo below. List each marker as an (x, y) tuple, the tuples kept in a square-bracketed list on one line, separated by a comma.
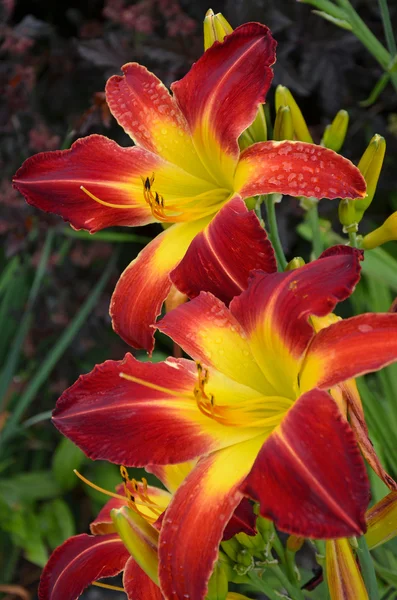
[(153, 198)]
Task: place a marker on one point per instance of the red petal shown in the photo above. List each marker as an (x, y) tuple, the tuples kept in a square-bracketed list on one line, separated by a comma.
[(275, 309), (220, 95), (135, 425), (350, 348), (103, 523), (51, 181), (196, 519), (145, 283), (138, 585), (309, 476), (220, 258), (81, 560), (242, 520), (297, 169), (149, 114), (360, 430)]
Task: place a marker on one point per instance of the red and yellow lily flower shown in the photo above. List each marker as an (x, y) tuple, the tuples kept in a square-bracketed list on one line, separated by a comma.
[(253, 407), (185, 165), (343, 574), (84, 559)]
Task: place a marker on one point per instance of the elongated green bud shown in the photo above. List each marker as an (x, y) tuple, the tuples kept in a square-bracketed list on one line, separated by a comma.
[(295, 263), (216, 27), (283, 125), (335, 134), (370, 167), (347, 212), (284, 97), (140, 539)]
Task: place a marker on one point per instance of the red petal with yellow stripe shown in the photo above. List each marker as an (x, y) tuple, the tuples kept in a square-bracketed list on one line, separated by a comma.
[(145, 283), (343, 574), (309, 477), (195, 521), (220, 94), (297, 169), (220, 257), (350, 348), (51, 181), (275, 309), (152, 420), (137, 585), (81, 560)]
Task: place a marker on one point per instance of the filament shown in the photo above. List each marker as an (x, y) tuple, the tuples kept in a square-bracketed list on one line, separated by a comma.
[(154, 386), (91, 195), (96, 487), (107, 586)]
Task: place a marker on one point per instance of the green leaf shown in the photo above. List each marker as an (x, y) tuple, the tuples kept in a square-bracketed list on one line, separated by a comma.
[(67, 457), (29, 487), (56, 522)]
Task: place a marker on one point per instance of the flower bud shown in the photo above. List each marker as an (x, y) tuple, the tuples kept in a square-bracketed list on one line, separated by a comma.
[(370, 167), (245, 562), (265, 528), (295, 543), (295, 263), (334, 134), (140, 539), (251, 542), (382, 521), (283, 125), (385, 233), (284, 97), (218, 584), (231, 548), (347, 212), (216, 27)]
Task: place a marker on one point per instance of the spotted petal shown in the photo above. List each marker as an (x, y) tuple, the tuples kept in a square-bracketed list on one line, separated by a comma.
[(297, 169)]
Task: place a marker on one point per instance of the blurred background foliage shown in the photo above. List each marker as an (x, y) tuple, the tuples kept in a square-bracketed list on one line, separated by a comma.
[(55, 283)]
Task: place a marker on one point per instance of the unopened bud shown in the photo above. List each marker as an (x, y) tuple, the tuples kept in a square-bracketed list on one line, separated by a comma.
[(295, 543), (295, 263), (245, 562), (231, 548), (334, 134), (216, 27), (283, 125), (347, 212), (284, 97), (140, 539), (385, 233), (370, 167), (382, 521)]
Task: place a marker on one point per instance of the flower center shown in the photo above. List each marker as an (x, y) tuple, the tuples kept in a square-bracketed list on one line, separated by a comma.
[(263, 412)]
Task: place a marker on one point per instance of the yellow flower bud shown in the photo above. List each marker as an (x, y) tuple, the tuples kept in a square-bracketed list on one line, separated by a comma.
[(385, 233), (295, 543), (370, 167), (283, 125), (382, 521), (334, 134), (295, 263), (216, 27), (284, 97), (347, 212)]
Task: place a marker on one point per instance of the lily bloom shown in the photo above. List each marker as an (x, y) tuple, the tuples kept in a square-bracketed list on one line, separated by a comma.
[(185, 165), (343, 574), (253, 407), (84, 559)]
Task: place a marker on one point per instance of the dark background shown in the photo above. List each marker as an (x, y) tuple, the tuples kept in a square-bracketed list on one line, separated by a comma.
[(55, 59)]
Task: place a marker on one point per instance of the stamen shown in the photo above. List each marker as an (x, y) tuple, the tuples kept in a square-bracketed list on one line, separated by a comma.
[(107, 586), (141, 491), (96, 487), (91, 195), (154, 386)]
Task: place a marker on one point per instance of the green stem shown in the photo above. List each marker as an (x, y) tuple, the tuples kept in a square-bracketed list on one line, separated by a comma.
[(368, 39), (261, 586), (294, 592), (353, 239), (328, 7), (273, 232), (367, 569), (387, 26), (312, 216)]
